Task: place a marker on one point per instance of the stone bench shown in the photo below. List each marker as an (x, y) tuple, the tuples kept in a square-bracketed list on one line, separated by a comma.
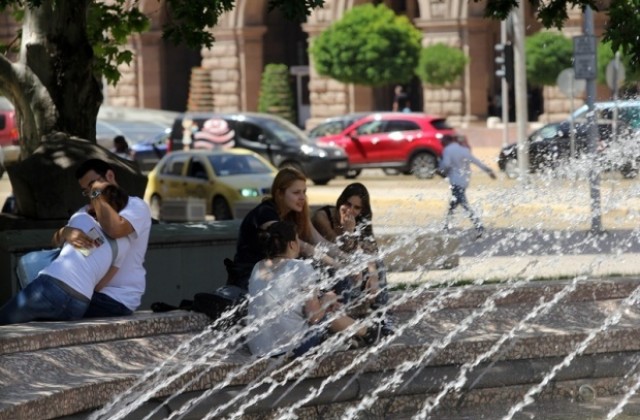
[(187, 258), (72, 368)]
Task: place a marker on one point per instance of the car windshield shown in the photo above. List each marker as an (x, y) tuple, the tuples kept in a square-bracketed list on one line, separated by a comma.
[(285, 131), (229, 164)]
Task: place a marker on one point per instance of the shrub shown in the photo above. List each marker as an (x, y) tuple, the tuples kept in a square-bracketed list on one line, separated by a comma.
[(276, 96), (369, 46), (440, 64)]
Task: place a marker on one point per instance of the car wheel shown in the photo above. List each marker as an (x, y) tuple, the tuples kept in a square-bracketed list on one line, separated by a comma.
[(323, 181), (511, 168), (220, 209), (423, 165), (155, 205), (353, 173)]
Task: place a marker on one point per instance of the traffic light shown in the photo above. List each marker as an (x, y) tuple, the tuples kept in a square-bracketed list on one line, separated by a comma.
[(504, 60)]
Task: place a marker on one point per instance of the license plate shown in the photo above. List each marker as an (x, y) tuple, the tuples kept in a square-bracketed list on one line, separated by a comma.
[(341, 165)]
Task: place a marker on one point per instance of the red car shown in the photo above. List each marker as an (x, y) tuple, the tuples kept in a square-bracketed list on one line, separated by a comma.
[(8, 130), (407, 142)]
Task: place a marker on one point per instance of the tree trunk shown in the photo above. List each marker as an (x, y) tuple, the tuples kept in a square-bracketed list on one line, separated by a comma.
[(56, 49)]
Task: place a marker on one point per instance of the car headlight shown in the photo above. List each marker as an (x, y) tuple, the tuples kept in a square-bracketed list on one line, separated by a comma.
[(249, 192), (313, 151)]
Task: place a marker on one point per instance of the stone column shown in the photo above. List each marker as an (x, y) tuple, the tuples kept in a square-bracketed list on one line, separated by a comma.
[(235, 62)]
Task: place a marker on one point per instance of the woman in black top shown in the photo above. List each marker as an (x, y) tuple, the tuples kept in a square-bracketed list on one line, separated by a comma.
[(288, 201)]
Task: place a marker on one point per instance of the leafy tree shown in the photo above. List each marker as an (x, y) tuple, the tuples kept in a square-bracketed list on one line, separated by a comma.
[(370, 46), (547, 55), (441, 64), (56, 81), (605, 55), (623, 20), (276, 96)]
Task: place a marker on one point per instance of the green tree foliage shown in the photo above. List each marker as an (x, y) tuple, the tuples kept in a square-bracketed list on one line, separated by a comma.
[(441, 64), (276, 96), (605, 55), (369, 46), (623, 20), (547, 55)]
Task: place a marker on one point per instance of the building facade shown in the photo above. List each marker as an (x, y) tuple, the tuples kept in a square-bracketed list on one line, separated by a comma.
[(227, 77)]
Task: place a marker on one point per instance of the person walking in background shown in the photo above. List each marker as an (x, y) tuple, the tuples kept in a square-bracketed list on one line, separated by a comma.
[(121, 148), (455, 165), (401, 101), (123, 294)]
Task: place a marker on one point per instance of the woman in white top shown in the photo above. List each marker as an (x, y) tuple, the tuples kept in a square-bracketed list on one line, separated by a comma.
[(284, 303), (63, 290)]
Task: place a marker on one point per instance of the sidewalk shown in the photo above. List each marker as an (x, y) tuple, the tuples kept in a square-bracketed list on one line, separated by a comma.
[(504, 269)]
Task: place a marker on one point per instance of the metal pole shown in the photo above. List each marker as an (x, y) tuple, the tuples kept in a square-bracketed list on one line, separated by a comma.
[(614, 123), (505, 91), (594, 172), (572, 145), (521, 91)]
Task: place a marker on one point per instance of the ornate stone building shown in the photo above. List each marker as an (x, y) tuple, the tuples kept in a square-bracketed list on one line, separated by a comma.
[(227, 76)]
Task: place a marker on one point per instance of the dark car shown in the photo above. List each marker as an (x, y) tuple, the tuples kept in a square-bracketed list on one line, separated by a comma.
[(550, 145), (147, 139), (409, 142), (335, 125), (274, 138)]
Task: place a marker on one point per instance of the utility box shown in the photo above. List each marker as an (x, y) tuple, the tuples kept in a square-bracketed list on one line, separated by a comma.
[(183, 210)]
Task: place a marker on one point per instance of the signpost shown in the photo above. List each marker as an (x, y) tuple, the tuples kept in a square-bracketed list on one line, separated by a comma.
[(571, 87), (584, 65)]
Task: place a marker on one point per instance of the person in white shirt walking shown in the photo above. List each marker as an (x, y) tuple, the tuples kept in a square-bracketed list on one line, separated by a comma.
[(456, 166)]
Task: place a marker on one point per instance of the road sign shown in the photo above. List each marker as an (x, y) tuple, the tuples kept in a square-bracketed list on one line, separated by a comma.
[(569, 85), (584, 57), (611, 74)]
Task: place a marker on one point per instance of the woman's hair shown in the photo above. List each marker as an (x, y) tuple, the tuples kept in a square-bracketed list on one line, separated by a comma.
[(283, 180), (363, 221), (115, 196), (277, 237)]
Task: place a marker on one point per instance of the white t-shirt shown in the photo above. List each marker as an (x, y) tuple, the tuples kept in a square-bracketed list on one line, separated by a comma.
[(82, 272), (128, 285), (278, 292)]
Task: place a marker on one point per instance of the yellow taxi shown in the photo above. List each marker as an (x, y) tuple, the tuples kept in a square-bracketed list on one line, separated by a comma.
[(223, 178)]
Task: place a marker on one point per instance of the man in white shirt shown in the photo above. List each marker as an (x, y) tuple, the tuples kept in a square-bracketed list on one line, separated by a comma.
[(122, 295), (455, 165)]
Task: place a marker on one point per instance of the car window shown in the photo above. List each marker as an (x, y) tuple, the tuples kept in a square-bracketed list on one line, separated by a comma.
[(401, 125), (226, 165), (174, 165), (327, 129), (371, 127), (197, 169), (441, 124), (249, 131), (547, 132)]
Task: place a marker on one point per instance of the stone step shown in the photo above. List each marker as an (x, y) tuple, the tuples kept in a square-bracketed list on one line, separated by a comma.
[(67, 368)]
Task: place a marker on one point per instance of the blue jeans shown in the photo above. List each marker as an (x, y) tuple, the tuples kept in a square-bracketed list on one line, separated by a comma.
[(103, 306), (42, 299), (314, 337)]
